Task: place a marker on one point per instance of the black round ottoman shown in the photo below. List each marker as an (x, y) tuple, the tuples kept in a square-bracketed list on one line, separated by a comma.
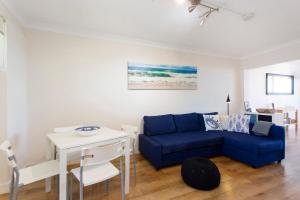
[(200, 173)]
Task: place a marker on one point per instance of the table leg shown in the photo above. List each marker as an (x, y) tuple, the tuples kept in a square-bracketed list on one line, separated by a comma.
[(49, 156), (127, 165), (62, 175), (48, 185)]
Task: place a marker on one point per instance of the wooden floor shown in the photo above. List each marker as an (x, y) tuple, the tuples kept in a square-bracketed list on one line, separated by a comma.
[(239, 181)]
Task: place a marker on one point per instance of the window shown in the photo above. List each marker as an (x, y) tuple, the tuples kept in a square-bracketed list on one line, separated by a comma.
[(277, 84), (2, 43)]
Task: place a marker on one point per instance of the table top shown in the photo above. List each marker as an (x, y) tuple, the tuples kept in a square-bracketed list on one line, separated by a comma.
[(71, 139), (257, 113)]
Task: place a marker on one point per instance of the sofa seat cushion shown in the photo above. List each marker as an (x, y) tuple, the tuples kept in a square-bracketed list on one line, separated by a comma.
[(189, 140), (252, 143)]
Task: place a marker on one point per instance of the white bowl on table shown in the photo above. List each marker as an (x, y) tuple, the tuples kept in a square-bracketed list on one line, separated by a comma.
[(87, 131)]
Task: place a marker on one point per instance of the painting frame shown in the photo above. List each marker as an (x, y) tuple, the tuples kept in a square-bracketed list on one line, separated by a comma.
[(142, 76)]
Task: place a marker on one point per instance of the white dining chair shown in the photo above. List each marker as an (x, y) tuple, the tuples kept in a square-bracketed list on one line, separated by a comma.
[(73, 155), (133, 134), (25, 176), (96, 166)]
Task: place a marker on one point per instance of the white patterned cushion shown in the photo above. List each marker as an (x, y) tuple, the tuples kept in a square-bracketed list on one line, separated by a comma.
[(212, 122), (239, 123), (224, 121)]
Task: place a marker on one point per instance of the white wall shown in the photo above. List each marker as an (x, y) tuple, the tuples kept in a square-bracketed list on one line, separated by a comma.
[(282, 54), (74, 80), (255, 86), (14, 100), (285, 53), (3, 166)]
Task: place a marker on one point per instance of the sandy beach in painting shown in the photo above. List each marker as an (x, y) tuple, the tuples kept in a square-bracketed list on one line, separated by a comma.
[(161, 77)]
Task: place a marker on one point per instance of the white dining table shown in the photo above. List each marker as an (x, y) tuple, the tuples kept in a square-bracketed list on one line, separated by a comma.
[(68, 142)]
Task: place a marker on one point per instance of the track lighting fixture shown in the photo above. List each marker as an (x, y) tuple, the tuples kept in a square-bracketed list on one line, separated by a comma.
[(215, 8), (203, 18)]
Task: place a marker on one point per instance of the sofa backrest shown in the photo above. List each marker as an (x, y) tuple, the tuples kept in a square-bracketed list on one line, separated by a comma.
[(187, 122), (158, 125), (166, 124)]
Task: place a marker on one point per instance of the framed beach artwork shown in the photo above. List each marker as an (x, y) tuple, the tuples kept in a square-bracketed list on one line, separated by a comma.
[(161, 77)]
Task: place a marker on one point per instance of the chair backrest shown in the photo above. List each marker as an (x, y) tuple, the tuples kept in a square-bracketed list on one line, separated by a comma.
[(101, 154), (66, 129), (6, 147), (130, 129)]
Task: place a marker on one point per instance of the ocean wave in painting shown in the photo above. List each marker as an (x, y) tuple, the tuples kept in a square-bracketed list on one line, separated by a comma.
[(145, 76)]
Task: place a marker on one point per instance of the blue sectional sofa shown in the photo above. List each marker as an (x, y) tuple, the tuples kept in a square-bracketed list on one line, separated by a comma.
[(170, 139)]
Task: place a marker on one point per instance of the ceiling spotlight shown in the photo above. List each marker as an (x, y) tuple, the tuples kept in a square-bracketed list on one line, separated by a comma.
[(192, 8), (202, 21), (180, 1), (195, 2), (205, 16)]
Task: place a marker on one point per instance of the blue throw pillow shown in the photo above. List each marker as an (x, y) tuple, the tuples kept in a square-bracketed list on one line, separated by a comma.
[(201, 119), (157, 125), (187, 122)]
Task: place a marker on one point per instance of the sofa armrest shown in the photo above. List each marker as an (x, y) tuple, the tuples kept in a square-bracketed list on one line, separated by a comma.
[(150, 149), (277, 132)]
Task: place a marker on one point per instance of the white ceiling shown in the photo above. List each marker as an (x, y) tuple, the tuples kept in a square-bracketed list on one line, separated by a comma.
[(167, 23)]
